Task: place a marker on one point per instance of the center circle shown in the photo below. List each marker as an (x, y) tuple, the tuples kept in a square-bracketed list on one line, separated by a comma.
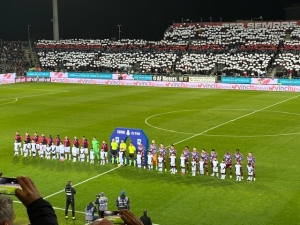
[(163, 119)]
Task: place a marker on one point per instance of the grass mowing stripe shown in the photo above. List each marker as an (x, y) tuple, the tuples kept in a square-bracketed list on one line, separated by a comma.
[(240, 117)]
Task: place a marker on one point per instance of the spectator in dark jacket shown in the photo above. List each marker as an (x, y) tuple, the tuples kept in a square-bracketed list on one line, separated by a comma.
[(145, 218)]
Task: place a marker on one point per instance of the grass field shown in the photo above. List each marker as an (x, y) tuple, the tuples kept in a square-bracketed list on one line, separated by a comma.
[(265, 123)]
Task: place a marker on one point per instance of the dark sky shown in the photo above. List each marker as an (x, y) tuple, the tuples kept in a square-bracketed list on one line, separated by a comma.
[(140, 19)]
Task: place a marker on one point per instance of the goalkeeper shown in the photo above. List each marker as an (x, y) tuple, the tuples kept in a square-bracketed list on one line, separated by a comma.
[(95, 144)]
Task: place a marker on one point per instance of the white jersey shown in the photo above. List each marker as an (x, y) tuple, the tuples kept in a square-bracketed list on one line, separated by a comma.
[(193, 165), (182, 161), (74, 151), (16, 146), (250, 170), (215, 166), (61, 149), (53, 148), (160, 161), (33, 145), (172, 160), (92, 155), (150, 156), (102, 155), (222, 167), (139, 159), (238, 169), (81, 155)]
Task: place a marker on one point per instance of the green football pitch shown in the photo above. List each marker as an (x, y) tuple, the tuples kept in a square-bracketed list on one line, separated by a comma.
[(264, 123)]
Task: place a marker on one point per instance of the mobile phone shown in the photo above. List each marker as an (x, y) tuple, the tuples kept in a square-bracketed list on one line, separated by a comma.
[(8, 185), (113, 216)]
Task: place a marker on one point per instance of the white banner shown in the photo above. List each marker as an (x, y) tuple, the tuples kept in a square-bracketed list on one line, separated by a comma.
[(202, 79)]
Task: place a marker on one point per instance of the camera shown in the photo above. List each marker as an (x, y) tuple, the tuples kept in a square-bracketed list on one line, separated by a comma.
[(97, 196)]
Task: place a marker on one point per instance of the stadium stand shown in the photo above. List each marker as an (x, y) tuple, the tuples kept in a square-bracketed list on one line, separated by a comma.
[(186, 49), (12, 57)]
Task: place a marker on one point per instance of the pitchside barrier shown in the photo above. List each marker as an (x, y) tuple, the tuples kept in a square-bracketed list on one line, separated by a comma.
[(206, 82), (136, 136)]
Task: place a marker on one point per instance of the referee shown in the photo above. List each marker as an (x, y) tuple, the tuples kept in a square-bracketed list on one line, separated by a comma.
[(114, 150), (70, 192)]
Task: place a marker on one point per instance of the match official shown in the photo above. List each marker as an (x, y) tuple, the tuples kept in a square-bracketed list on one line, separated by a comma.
[(70, 192), (123, 201)]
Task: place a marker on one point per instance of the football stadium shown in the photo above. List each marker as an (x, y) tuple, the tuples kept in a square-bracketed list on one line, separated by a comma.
[(200, 127)]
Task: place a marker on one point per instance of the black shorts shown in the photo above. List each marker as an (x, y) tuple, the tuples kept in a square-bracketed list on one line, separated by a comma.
[(114, 152), (131, 155)]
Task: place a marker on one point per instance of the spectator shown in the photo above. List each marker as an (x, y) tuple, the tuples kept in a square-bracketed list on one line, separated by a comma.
[(145, 218)]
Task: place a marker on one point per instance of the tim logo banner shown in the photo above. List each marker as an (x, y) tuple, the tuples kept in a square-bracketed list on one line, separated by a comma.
[(136, 136)]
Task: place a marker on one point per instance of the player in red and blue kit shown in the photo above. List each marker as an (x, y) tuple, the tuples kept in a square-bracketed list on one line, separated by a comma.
[(228, 161), (195, 156), (142, 150), (163, 152), (186, 155), (57, 143), (251, 161), (204, 157), (36, 138), (238, 158), (85, 145), (27, 142), (213, 155), (18, 140)]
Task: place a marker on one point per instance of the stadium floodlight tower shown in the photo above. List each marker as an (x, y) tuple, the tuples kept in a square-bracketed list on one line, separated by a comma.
[(55, 20)]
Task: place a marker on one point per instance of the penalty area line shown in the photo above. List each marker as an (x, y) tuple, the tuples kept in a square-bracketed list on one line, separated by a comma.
[(82, 182)]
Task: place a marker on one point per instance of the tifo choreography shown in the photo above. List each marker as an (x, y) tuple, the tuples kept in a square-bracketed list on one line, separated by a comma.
[(158, 157)]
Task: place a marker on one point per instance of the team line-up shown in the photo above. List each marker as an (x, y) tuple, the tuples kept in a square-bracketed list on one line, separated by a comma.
[(57, 148)]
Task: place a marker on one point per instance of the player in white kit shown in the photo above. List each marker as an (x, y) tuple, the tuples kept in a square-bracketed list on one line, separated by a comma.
[(25, 150), (201, 167), (33, 148), (62, 151), (223, 170), (160, 163), (250, 172), (53, 150), (81, 154), (92, 156), (139, 160), (215, 164), (194, 167), (102, 157), (120, 159), (149, 161), (74, 153), (182, 164), (16, 148), (238, 171), (172, 163), (48, 152), (41, 151)]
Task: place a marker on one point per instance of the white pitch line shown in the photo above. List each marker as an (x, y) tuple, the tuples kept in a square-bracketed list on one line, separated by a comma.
[(9, 102), (240, 117), (28, 96), (99, 175)]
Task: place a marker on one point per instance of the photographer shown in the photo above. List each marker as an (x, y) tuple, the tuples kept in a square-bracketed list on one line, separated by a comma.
[(89, 212), (102, 203), (70, 192)]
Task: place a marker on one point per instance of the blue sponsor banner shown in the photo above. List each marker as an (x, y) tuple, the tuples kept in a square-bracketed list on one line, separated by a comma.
[(142, 77), (294, 82), (135, 135), (90, 75), (236, 80), (37, 73)]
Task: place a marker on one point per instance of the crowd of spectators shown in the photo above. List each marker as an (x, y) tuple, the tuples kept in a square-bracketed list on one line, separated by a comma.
[(185, 49), (12, 57)]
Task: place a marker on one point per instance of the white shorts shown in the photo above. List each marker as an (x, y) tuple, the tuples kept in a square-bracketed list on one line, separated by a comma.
[(28, 145), (172, 164), (105, 154), (77, 151), (67, 149), (18, 144), (86, 150), (44, 147), (215, 170)]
